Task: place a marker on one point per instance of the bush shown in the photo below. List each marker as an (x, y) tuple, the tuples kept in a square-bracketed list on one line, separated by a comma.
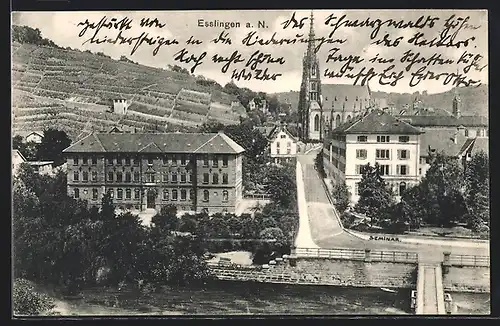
[(26, 301)]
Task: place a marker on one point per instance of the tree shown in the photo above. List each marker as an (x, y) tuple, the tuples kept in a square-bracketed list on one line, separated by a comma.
[(167, 219), (319, 164), (341, 195), (375, 197), (280, 185), (477, 184), (26, 301), (53, 143)]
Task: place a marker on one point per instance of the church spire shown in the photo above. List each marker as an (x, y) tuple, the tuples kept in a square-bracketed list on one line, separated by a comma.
[(310, 47)]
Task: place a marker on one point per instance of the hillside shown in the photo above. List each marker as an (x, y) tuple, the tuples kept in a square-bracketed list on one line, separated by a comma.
[(474, 99), (73, 90)]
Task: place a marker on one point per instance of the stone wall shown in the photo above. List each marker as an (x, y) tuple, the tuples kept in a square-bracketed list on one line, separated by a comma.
[(466, 279)]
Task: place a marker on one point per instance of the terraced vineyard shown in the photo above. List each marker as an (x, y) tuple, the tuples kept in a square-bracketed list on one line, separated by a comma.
[(73, 90)]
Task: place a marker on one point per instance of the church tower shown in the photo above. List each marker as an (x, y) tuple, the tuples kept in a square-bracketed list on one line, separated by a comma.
[(457, 103), (310, 110)]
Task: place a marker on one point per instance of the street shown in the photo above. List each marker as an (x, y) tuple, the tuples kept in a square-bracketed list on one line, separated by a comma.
[(326, 230)]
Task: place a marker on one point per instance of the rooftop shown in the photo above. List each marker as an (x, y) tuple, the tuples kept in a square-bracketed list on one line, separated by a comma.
[(445, 121), (376, 122), (204, 143), (442, 140)]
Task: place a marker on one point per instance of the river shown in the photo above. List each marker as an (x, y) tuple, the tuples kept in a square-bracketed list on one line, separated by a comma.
[(230, 298)]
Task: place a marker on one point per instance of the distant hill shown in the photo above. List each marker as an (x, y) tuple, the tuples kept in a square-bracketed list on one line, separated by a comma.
[(72, 90), (474, 99)]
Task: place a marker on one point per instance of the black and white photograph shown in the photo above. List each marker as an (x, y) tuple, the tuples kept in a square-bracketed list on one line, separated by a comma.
[(250, 163)]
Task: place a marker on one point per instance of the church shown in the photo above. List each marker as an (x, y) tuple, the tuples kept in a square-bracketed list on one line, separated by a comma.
[(324, 107)]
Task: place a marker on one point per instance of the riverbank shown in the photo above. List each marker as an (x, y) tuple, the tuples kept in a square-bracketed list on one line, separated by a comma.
[(241, 298)]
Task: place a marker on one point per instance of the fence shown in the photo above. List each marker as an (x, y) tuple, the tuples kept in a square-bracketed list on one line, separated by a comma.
[(469, 260), (257, 196), (357, 254)]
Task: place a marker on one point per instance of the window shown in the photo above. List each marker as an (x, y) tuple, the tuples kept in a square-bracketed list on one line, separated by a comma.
[(165, 160), (225, 196), (95, 194), (466, 132), (224, 161), (402, 169), (128, 193), (404, 139), (313, 86), (215, 162), (283, 136), (183, 194), (360, 169), (278, 151), (191, 194), (128, 177), (174, 160), (313, 71), (289, 151), (402, 188), (174, 194), (419, 171), (403, 154), (356, 188), (118, 161), (111, 193), (165, 194), (382, 154), (362, 139), (224, 178), (150, 177), (85, 176), (165, 177), (383, 169), (136, 162), (361, 154), (206, 177), (119, 177), (94, 160), (206, 195), (183, 160), (85, 161), (278, 144), (110, 176), (77, 193), (316, 122), (215, 178), (150, 161), (76, 176), (94, 175), (174, 177), (137, 193), (109, 161), (205, 161), (383, 139), (183, 177), (289, 144), (190, 176), (137, 176), (127, 161), (119, 194)]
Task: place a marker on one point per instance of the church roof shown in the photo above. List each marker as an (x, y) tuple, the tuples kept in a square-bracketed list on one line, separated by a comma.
[(345, 96), (376, 122)]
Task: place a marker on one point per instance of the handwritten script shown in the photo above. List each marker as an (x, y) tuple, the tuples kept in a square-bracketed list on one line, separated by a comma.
[(441, 48)]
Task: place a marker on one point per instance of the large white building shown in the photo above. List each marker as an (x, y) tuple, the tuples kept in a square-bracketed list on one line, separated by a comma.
[(375, 137), (283, 145)]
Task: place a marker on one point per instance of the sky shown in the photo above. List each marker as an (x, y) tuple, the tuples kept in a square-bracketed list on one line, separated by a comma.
[(63, 29)]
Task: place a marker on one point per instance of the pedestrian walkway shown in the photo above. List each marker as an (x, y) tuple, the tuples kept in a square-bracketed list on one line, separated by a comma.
[(304, 239), (430, 292)]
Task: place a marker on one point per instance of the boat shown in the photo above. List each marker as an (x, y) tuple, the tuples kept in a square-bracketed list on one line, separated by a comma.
[(388, 290)]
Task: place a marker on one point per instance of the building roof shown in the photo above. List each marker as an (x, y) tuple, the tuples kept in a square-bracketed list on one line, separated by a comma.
[(442, 140), (278, 129), (444, 121), (26, 133), (18, 153), (475, 145), (266, 130), (214, 143), (350, 97), (376, 122)]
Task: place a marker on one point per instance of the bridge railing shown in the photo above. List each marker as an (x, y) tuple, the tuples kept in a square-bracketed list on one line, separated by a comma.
[(357, 254), (469, 260)]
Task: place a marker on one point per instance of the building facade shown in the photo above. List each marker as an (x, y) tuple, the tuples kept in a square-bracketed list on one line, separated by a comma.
[(16, 160), (192, 171), (282, 146), (375, 137), (120, 106)]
